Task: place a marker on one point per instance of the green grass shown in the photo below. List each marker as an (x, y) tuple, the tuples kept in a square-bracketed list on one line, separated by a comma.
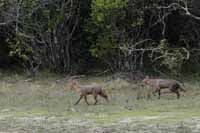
[(44, 96)]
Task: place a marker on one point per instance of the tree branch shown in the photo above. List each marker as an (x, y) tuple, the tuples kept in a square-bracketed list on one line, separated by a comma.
[(184, 7)]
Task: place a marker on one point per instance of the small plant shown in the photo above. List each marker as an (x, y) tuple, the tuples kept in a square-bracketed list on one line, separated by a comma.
[(171, 58)]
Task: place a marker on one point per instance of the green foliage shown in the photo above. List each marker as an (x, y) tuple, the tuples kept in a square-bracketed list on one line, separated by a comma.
[(172, 58), (18, 48), (109, 25), (2, 3), (69, 35), (105, 44), (103, 9), (103, 16)]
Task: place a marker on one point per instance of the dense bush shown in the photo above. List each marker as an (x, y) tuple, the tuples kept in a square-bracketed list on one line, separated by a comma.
[(120, 35)]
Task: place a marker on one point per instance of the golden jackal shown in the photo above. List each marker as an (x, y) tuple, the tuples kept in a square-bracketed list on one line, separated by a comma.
[(158, 84), (94, 90)]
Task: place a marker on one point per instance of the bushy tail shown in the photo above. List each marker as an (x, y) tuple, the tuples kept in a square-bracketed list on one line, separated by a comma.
[(181, 86), (104, 95)]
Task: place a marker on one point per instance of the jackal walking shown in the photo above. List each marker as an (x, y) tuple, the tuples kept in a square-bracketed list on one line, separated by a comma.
[(85, 90), (158, 84)]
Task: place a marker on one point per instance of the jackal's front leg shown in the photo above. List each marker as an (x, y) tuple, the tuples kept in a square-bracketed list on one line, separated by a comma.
[(79, 100), (154, 92), (159, 92)]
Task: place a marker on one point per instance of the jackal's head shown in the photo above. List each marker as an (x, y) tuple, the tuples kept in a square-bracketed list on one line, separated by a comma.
[(72, 84), (145, 80)]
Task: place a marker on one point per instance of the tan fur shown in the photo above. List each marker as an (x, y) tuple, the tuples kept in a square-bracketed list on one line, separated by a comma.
[(158, 84), (83, 91)]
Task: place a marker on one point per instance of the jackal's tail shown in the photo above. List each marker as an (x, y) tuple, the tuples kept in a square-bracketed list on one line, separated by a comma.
[(182, 86), (104, 95)]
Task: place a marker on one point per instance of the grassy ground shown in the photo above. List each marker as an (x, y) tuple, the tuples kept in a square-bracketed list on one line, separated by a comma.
[(45, 104)]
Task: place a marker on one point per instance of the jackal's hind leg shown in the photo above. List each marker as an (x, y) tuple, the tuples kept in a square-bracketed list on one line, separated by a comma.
[(159, 93), (175, 89), (104, 96), (85, 97), (95, 98), (177, 94)]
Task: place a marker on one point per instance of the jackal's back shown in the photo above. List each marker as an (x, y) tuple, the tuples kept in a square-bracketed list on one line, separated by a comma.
[(165, 83), (89, 89), (161, 83)]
